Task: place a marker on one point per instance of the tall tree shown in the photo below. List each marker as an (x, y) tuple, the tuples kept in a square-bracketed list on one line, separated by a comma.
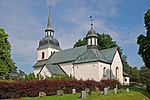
[(144, 75), (144, 41), (134, 74), (7, 66)]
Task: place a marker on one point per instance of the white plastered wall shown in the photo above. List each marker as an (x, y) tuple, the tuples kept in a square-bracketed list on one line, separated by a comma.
[(126, 81), (45, 72), (117, 63), (107, 71), (47, 53), (67, 67), (87, 71), (36, 71), (90, 70)]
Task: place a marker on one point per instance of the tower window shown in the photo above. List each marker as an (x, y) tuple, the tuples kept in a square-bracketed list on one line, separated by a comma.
[(43, 55), (93, 41), (96, 41), (89, 41)]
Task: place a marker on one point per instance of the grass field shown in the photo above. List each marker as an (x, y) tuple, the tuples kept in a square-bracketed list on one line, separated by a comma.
[(134, 94)]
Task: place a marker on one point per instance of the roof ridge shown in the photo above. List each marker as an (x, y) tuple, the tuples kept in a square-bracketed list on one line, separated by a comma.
[(98, 51), (96, 54), (73, 48), (79, 58), (109, 48)]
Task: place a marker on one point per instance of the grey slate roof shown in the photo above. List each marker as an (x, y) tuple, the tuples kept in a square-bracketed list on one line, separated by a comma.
[(40, 63), (49, 41), (91, 33), (106, 55), (77, 55), (55, 70), (90, 55), (66, 55), (109, 53)]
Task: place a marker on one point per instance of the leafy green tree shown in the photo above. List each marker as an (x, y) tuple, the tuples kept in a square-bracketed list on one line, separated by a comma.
[(20, 75), (7, 66), (126, 66), (144, 75), (30, 76), (134, 74), (80, 42), (105, 41), (144, 41)]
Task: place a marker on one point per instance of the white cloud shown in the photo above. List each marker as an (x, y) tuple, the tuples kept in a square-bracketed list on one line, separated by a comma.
[(78, 17)]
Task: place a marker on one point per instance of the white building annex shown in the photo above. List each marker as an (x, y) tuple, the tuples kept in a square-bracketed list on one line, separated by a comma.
[(85, 62)]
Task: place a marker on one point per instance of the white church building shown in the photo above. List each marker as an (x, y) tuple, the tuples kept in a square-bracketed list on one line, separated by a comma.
[(85, 62)]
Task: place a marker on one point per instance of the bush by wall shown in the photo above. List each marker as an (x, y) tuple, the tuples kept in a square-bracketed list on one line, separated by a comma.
[(32, 88)]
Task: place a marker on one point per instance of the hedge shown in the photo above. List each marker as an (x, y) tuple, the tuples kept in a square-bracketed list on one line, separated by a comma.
[(32, 88)]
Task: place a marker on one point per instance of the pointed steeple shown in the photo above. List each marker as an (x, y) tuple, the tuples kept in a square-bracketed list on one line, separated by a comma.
[(49, 30)]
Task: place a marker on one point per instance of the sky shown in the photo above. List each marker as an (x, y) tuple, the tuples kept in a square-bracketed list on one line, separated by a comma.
[(25, 22)]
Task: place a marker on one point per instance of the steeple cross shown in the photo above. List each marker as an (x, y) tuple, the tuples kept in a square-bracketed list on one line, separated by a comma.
[(91, 17), (49, 8)]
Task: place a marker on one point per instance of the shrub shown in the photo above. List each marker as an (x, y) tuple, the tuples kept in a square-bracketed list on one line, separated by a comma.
[(32, 88), (148, 88)]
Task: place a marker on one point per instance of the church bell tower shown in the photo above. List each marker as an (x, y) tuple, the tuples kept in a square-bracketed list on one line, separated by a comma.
[(48, 45)]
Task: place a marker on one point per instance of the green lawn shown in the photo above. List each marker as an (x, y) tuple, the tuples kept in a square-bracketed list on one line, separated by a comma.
[(134, 94)]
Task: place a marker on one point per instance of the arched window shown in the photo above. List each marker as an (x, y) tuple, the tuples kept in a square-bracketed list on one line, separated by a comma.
[(104, 71), (43, 54), (117, 70)]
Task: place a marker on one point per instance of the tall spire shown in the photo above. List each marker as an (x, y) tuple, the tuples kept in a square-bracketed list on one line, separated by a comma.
[(49, 30), (49, 25)]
